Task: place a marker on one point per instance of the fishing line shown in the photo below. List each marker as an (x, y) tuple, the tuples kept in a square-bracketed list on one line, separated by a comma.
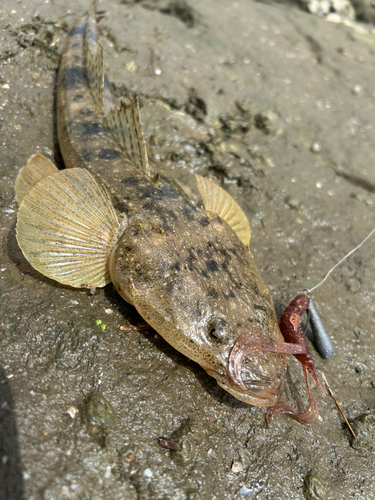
[(341, 261)]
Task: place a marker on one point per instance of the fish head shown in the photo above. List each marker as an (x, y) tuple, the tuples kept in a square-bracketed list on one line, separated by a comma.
[(202, 297)]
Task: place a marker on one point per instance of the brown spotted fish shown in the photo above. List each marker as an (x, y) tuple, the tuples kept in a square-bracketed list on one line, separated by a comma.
[(113, 215)]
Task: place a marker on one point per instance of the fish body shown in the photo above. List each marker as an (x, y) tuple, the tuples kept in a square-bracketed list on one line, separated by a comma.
[(188, 271)]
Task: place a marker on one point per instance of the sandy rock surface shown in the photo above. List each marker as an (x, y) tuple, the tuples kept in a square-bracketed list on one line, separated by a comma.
[(276, 105)]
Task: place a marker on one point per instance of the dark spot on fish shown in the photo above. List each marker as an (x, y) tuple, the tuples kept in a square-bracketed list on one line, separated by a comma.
[(77, 97), (212, 266), (192, 254), (189, 263), (230, 295), (78, 30), (149, 206), (86, 155), (233, 251), (224, 266), (204, 274), (74, 45), (166, 228), (171, 214), (90, 128), (176, 267), (199, 252), (71, 77), (204, 221), (250, 320), (86, 112), (130, 181), (254, 287), (151, 192), (260, 308), (109, 154), (168, 287), (212, 293), (187, 212)]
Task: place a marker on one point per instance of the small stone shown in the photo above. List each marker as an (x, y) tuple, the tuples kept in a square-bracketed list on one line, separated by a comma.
[(364, 428), (129, 458), (148, 473), (315, 147), (314, 490), (294, 203), (72, 411), (357, 89), (245, 492), (157, 71), (237, 467)]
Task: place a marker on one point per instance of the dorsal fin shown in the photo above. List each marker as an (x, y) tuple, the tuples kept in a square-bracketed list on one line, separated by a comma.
[(36, 168), (124, 125), (94, 60), (215, 199)]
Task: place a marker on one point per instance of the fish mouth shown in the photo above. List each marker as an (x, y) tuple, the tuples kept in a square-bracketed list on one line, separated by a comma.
[(250, 387), (244, 379)]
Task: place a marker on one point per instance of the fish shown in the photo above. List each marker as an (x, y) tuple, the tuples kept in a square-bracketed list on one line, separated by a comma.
[(113, 215)]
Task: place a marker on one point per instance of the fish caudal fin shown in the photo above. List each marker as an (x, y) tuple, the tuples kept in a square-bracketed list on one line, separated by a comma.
[(215, 199), (36, 168), (66, 228), (124, 125)]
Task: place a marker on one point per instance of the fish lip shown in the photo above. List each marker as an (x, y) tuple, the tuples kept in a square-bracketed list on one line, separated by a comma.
[(245, 344), (261, 392)]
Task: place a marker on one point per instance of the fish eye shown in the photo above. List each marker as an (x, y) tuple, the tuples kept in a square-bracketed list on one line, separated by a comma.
[(218, 330)]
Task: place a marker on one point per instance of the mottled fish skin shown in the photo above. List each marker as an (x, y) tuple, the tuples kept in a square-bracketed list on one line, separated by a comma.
[(184, 269)]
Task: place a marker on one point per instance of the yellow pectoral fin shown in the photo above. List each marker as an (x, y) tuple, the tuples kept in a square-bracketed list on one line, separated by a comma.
[(66, 228), (215, 199), (36, 168)]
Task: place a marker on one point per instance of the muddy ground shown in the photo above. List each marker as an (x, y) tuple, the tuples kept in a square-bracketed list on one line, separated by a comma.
[(279, 107)]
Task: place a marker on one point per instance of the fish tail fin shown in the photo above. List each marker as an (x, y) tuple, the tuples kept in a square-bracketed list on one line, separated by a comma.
[(36, 168), (67, 227)]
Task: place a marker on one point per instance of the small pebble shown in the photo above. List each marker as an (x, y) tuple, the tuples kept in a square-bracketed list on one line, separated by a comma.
[(315, 147), (356, 89), (237, 467), (129, 458), (157, 71), (72, 411), (148, 473), (245, 492)]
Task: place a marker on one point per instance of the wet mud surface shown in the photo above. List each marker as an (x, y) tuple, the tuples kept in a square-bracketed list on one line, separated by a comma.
[(279, 107)]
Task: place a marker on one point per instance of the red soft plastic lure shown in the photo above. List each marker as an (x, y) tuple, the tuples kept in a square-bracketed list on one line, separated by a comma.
[(295, 344)]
